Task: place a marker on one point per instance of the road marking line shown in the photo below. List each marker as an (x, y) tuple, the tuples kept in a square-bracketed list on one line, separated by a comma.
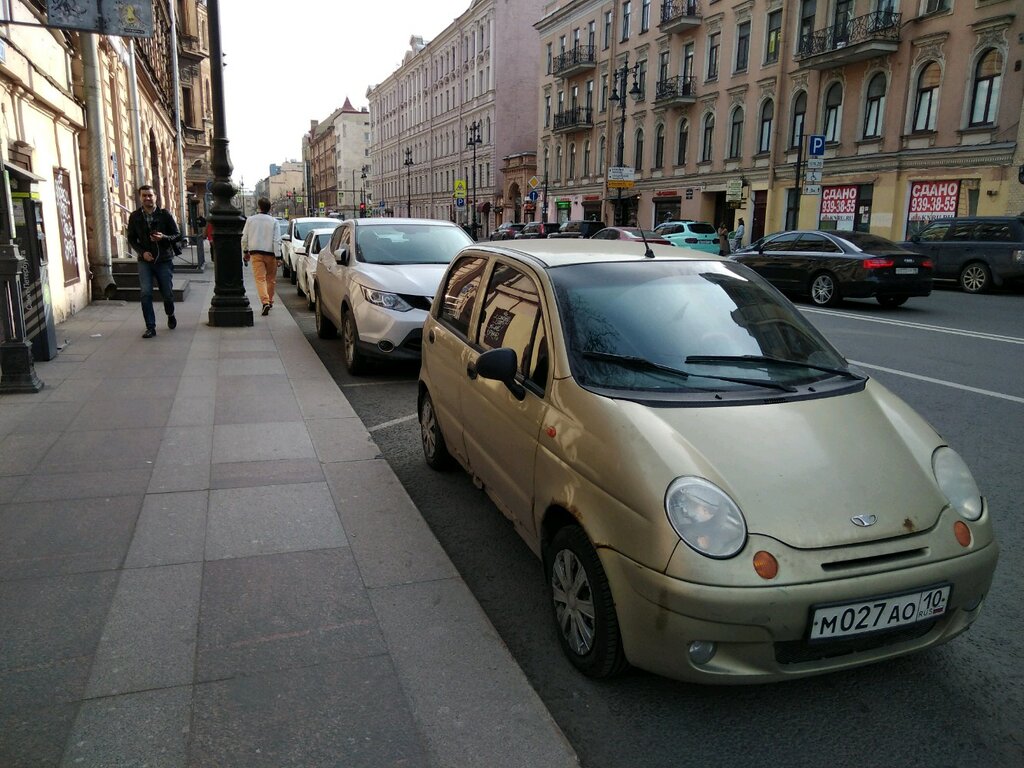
[(930, 380), (393, 423), (919, 326)]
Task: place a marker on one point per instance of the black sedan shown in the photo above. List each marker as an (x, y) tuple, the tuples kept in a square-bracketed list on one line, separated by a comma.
[(831, 266)]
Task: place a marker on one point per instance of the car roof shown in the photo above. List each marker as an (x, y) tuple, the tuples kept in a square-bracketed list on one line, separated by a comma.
[(390, 221), (562, 252)]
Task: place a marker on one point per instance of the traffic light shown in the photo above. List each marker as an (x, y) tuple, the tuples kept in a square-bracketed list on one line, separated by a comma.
[(362, 210)]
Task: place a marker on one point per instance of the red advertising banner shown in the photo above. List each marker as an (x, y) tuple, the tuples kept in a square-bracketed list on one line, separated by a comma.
[(838, 203), (933, 200)]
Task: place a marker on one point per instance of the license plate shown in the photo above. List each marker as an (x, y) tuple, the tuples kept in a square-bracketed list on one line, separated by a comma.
[(880, 614), (906, 270)]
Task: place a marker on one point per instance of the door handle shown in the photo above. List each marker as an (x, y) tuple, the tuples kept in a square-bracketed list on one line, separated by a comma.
[(471, 370), (430, 336)]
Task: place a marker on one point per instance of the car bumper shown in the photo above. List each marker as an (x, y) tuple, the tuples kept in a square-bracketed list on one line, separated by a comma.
[(863, 289), (385, 333), (760, 632)]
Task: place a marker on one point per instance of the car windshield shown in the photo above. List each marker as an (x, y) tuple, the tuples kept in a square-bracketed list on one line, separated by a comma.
[(719, 328), (409, 243), (303, 228)]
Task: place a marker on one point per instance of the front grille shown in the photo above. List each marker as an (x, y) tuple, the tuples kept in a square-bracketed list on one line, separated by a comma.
[(800, 651), (875, 560), (416, 302)]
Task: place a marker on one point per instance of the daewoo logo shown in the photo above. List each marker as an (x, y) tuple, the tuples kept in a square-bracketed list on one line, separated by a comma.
[(864, 520)]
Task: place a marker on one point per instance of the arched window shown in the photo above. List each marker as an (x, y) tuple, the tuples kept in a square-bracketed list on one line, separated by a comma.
[(833, 111), (586, 158), (926, 104), (987, 80), (764, 131), (799, 115), (638, 150), (707, 139), (874, 107), (558, 163), (659, 146), (682, 140), (599, 163), (736, 133), (572, 162), (545, 163)]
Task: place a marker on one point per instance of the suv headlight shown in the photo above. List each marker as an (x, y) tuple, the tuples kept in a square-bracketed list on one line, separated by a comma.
[(385, 299), (704, 517), (957, 483)]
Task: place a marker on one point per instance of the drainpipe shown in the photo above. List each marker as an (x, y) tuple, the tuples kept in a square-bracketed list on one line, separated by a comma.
[(133, 110), (176, 79), (99, 252)]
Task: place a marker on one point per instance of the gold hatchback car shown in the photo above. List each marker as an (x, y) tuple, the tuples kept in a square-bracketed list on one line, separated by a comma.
[(716, 495)]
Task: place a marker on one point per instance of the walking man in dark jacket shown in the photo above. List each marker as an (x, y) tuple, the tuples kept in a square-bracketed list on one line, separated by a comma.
[(152, 233)]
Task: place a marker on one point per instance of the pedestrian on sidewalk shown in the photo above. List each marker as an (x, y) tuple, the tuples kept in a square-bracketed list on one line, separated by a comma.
[(261, 242), (737, 235), (723, 240), (152, 234)]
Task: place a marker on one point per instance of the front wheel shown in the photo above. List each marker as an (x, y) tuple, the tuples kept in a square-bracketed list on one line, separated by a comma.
[(285, 271), (435, 451), (355, 361), (824, 291), (311, 299), (891, 302), (584, 611), (975, 278), (325, 329)]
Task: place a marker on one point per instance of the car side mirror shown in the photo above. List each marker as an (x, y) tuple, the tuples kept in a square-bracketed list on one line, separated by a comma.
[(501, 365), (341, 257), (286, 238)]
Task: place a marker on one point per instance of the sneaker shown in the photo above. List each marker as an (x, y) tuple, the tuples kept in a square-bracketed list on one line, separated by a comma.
[(149, 334), (172, 322), (266, 309)]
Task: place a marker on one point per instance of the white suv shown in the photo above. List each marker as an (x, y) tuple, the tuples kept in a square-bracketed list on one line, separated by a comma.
[(297, 230), (375, 281)]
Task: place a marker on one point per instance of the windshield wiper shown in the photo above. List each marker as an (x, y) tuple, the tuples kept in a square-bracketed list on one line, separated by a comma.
[(649, 365), (768, 359)]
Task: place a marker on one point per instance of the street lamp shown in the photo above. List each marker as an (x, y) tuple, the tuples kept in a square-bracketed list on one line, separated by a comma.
[(621, 76), (472, 139), (408, 182)]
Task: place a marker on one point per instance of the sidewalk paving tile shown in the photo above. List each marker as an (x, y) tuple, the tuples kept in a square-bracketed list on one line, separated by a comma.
[(341, 440), (66, 535), (47, 417), (250, 473), (190, 411), (283, 612), (350, 713), (162, 388), (271, 519), (100, 483), (148, 729), (249, 366), (261, 442), (126, 413), (320, 398), (105, 449), (21, 454), (35, 738), (149, 638), (171, 529)]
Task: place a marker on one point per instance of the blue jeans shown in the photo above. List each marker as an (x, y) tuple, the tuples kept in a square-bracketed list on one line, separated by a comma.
[(162, 273)]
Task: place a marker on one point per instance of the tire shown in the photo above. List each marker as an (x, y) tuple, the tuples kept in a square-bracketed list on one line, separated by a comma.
[(285, 271), (435, 450), (298, 289), (585, 619), (975, 278), (891, 302), (325, 329), (294, 277), (355, 361), (824, 290), (311, 299)]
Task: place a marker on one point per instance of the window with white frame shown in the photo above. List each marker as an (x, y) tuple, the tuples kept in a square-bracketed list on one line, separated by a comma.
[(572, 162), (764, 131), (773, 37), (985, 95), (645, 15), (607, 29), (736, 134), (714, 46), (682, 140), (742, 46), (659, 146), (586, 158), (707, 139), (638, 150), (799, 117), (926, 101), (874, 106), (833, 111), (625, 19)]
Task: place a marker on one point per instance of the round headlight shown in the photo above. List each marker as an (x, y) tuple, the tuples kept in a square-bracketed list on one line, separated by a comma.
[(705, 517), (956, 483)]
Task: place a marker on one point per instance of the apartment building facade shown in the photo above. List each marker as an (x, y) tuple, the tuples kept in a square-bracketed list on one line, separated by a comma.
[(442, 123), (714, 103)]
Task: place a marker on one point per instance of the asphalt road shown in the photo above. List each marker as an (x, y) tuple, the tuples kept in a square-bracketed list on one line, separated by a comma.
[(958, 360)]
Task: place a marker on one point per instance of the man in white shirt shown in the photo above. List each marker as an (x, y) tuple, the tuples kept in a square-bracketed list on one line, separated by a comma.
[(261, 243)]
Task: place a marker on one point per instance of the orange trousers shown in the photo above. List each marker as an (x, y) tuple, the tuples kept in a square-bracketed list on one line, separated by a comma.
[(264, 269)]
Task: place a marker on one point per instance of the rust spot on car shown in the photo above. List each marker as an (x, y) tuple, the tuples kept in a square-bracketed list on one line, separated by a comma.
[(908, 525)]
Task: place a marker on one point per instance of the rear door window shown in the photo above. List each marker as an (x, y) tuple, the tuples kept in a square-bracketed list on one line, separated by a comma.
[(962, 231), (784, 242), (994, 231), (512, 318), (935, 232), (459, 292)]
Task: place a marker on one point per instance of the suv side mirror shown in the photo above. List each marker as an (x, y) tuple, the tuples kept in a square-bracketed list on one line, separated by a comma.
[(501, 365), (286, 238), (341, 256)]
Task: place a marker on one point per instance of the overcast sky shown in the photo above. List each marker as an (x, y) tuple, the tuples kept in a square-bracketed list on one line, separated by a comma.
[(295, 61)]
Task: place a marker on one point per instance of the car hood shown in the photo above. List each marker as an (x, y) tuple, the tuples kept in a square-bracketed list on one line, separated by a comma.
[(412, 279), (801, 470)]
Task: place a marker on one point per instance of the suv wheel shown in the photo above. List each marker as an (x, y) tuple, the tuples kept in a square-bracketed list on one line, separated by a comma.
[(325, 329), (355, 361), (975, 278)]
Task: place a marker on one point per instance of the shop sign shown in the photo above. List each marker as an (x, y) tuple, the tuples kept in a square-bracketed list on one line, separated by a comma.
[(733, 190), (591, 198), (838, 203), (122, 18), (933, 200), (666, 193)]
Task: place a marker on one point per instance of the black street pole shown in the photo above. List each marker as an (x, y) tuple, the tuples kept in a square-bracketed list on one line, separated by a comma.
[(473, 138), (408, 182), (619, 94), (229, 307), (17, 366)]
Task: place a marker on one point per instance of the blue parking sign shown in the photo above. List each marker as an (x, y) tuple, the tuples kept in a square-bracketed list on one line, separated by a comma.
[(816, 146)]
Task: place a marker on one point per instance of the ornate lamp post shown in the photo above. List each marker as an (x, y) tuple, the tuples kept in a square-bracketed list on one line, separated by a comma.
[(472, 139), (408, 182), (17, 368), (230, 306), (362, 192), (621, 76)]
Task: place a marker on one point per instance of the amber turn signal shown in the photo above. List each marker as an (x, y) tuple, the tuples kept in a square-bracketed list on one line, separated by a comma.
[(962, 533), (765, 565)]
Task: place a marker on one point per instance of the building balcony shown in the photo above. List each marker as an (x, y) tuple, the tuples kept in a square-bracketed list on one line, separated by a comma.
[(859, 39), (190, 48), (575, 119), (678, 91), (679, 15), (195, 138), (580, 58)]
